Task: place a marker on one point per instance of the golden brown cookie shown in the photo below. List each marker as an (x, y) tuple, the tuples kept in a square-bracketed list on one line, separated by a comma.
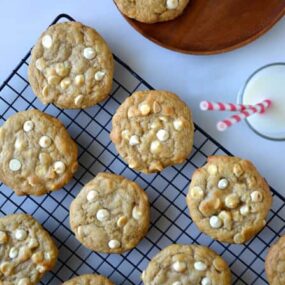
[(152, 130), (110, 214), (275, 263), (89, 279), (187, 264), (71, 66), (152, 11), (228, 199), (37, 155), (27, 251)]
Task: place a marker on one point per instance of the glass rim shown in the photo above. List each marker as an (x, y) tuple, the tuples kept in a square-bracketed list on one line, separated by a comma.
[(241, 94)]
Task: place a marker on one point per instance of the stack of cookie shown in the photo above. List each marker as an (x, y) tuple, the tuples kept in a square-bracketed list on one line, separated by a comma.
[(72, 67)]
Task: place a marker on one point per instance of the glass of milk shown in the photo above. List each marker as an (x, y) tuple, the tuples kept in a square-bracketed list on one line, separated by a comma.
[(268, 82)]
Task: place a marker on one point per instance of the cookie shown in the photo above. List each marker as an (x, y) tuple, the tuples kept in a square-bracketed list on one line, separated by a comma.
[(187, 264), (228, 199), (147, 11), (27, 251), (152, 130), (71, 66), (110, 214), (37, 155), (275, 263), (89, 279)]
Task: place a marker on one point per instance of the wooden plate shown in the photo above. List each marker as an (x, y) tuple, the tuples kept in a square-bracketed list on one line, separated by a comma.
[(210, 26)]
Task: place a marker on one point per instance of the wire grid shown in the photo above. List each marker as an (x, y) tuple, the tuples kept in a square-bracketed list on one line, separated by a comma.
[(170, 221)]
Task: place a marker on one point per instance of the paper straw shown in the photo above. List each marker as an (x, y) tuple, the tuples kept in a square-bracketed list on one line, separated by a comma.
[(219, 106), (258, 108)]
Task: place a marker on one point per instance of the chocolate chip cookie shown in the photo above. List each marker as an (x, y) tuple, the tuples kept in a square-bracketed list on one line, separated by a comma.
[(275, 263), (228, 199), (110, 214), (152, 130), (89, 279), (37, 155), (71, 66), (27, 251), (187, 264), (152, 11)]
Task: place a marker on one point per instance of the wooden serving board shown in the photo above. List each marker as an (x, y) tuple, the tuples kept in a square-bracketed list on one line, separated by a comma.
[(214, 26)]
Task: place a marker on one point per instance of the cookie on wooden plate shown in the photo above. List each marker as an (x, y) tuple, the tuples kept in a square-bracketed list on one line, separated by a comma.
[(187, 264), (152, 11), (110, 214), (275, 263), (228, 199), (27, 251), (152, 130), (37, 155), (71, 66), (89, 279)]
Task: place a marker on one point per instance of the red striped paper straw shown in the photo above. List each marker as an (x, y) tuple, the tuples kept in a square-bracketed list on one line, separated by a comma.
[(219, 106), (258, 108)]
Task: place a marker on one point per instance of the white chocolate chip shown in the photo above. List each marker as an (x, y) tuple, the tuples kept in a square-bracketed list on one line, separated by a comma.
[(144, 109), (212, 169), (21, 234), (47, 41), (179, 266), (178, 125), (196, 192), (102, 215), (99, 75), (200, 266), (28, 126), (62, 69), (177, 283), (122, 221), (45, 141), (232, 201), (40, 268), (162, 135), (64, 84), (89, 53), (78, 100), (33, 243), (114, 244), (136, 213), (155, 147), (40, 64), (19, 144), (79, 80), (244, 210), (24, 281), (15, 164), (172, 4), (3, 237), (239, 238), (156, 107), (53, 79), (91, 196), (13, 253), (215, 222), (59, 167), (45, 90), (206, 281), (256, 196), (125, 134), (223, 183), (134, 140)]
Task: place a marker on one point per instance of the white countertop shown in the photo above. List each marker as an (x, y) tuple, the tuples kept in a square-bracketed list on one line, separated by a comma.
[(194, 78)]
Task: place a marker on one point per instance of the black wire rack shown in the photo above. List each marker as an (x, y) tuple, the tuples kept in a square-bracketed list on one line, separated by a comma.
[(170, 222)]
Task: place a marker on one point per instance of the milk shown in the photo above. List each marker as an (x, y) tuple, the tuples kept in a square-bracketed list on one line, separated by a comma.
[(267, 83)]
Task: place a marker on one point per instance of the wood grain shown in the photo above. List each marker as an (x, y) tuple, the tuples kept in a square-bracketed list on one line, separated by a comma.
[(208, 26)]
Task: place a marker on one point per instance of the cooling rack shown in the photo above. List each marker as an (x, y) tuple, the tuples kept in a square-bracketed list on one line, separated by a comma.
[(170, 222)]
